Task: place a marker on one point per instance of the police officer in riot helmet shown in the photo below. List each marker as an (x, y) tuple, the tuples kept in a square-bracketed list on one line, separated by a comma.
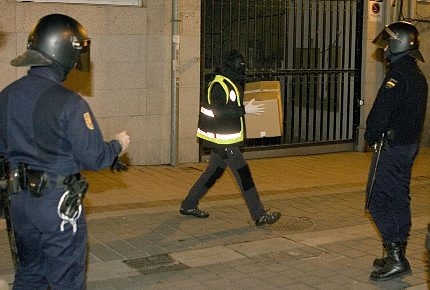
[(221, 128), (48, 135), (398, 112), (399, 39)]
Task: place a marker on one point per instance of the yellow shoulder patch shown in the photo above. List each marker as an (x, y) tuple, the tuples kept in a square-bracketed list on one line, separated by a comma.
[(88, 121), (391, 83)]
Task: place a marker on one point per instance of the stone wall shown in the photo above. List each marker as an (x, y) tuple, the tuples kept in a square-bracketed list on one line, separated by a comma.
[(129, 87)]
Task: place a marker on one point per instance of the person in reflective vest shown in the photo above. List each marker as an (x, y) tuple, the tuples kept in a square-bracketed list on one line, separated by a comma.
[(221, 128), (230, 130)]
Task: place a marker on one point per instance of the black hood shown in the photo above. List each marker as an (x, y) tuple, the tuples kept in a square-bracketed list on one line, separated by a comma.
[(233, 67), (238, 78)]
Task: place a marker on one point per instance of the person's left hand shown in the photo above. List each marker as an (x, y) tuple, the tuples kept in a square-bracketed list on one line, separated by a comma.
[(251, 108)]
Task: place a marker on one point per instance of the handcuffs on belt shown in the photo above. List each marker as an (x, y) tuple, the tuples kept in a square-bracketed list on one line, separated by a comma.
[(70, 205)]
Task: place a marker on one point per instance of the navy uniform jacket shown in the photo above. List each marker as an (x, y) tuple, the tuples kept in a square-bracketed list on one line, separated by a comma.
[(400, 104), (50, 127)]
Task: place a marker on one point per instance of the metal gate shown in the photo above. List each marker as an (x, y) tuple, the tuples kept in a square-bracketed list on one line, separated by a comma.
[(314, 49)]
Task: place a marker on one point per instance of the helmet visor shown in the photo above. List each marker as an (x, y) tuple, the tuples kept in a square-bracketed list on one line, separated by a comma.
[(383, 38), (84, 61)]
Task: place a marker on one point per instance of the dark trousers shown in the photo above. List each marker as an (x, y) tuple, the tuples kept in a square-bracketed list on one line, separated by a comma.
[(390, 200), (219, 160), (46, 255)]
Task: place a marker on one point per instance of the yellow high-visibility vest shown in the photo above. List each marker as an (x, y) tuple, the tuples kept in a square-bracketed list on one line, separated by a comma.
[(232, 94)]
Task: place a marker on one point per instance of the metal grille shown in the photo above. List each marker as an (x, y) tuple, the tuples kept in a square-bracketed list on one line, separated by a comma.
[(313, 47), (155, 264)]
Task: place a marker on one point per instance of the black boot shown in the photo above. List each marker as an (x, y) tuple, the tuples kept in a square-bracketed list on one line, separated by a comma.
[(396, 264), (379, 263)]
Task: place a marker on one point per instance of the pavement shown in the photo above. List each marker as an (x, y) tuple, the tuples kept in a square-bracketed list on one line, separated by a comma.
[(324, 240)]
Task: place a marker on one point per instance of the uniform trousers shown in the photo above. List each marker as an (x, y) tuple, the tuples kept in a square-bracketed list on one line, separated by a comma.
[(219, 160), (389, 204), (46, 255)]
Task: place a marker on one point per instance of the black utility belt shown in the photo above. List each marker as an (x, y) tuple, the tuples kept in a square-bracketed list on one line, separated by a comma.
[(22, 178)]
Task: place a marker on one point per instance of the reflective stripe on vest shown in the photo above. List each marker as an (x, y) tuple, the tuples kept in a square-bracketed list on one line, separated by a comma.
[(220, 138), (207, 112)]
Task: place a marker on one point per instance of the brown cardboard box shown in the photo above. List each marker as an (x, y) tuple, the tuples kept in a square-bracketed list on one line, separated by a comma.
[(269, 123)]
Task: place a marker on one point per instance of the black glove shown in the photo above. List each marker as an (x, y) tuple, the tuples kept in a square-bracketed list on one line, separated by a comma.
[(118, 165)]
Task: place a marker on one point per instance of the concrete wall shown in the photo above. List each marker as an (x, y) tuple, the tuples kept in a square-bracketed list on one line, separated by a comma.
[(129, 87)]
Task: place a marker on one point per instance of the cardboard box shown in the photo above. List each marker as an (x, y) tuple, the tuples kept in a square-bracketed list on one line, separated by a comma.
[(269, 123)]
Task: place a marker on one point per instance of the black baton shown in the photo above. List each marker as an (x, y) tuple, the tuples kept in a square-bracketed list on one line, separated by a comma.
[(5, 203)]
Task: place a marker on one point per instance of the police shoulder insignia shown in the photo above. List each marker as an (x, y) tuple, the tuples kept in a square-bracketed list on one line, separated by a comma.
[(88, 121), (391, 83)]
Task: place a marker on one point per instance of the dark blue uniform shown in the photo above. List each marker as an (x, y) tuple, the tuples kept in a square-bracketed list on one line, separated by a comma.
[(52, 129), (399, 107)]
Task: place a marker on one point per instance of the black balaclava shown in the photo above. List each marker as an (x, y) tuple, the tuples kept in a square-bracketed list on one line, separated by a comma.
[(233, 67)]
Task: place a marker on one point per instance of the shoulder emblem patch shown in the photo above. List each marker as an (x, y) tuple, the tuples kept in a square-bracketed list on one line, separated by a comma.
[(88, 121), (391, 83)]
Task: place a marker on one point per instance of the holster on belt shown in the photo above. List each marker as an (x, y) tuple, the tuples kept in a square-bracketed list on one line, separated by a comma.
[(23, 178)]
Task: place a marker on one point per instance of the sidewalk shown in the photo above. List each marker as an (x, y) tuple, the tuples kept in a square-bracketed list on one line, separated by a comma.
[(324, 240)]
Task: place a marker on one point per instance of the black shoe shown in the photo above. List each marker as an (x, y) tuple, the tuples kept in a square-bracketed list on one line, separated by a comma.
[(268, 218), (194, 212)]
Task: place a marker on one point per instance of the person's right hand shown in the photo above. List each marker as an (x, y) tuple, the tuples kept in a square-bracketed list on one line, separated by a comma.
[(123, 139)]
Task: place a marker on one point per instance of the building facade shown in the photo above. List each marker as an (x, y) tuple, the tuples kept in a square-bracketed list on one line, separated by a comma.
[(146, 76)]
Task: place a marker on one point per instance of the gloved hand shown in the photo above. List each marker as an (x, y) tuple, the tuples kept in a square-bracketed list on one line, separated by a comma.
[(251, 108), (118, 165), (123, 139)]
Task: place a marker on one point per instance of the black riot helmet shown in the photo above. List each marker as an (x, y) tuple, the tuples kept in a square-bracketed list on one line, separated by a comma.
[(235, 61), (56, 39), (398, 38)]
